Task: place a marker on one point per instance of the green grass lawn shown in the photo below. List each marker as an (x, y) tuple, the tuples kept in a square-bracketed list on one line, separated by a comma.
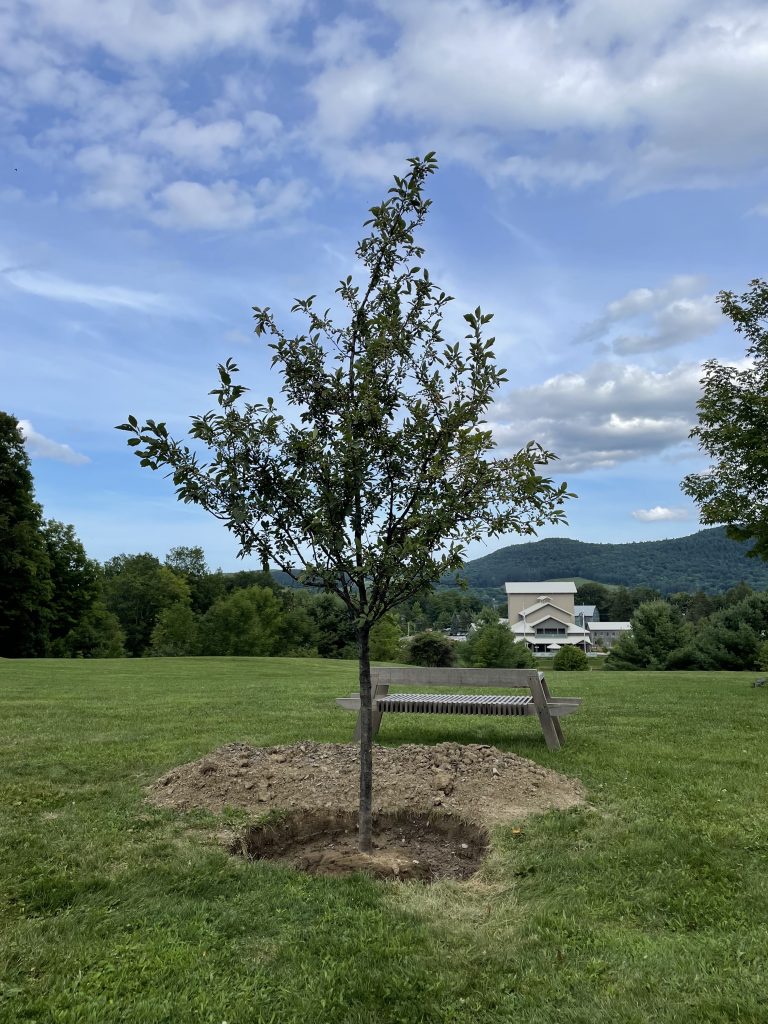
[(651, 904)]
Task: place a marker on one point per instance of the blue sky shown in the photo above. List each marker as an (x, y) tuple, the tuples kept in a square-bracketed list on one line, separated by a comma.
[(168, 164)]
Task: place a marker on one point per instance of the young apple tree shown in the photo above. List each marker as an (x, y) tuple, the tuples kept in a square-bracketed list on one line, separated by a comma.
[(375, 470)]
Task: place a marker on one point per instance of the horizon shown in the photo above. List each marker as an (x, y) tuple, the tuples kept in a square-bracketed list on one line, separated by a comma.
[(169, 166)]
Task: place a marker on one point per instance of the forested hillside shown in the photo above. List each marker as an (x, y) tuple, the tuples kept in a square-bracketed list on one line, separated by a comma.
[(706, 561)]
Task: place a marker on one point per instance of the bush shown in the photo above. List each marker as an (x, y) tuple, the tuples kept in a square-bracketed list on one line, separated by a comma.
[(432, 650), (493, 646), (570, 659)]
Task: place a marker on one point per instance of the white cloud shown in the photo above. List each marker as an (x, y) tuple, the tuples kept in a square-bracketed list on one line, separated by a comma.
[(666, 316), (120, 179), (202, 144), (44, 448), (137, 30), (50, 286), (659, 513), (225, 205), (612, 413), (654, 94)]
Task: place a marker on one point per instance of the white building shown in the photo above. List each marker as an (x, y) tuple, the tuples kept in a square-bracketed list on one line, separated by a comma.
[(544, 615)]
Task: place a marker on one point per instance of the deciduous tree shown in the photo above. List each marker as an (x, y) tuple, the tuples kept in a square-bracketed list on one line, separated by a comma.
[(733, 428), (136, 589), (570, 659), (374, 470), (432, 650)]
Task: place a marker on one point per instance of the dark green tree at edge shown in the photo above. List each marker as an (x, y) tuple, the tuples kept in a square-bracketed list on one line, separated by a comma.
[(373, 472), (25, 569)]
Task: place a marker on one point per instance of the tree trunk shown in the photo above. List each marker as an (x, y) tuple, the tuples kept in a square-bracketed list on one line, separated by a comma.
[(366, 742)]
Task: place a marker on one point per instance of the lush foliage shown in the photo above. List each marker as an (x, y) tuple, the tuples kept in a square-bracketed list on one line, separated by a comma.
[(657, 630), (137, 588), (432, 650), (673, 635), (491, 644), (570, 659), (47, 583), (733, 428), (25, 583)]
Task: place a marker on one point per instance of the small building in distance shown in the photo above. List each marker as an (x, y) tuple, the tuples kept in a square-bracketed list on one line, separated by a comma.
[(542, 614), (605, 634), (585, 613)]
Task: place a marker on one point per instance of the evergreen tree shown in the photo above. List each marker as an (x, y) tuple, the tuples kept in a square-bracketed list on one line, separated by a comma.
[(491, 644), (657, 631), (25, 568), (386, 640)]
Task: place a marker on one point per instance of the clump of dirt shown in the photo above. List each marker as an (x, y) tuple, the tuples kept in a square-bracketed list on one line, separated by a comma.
[(476, 782), (407, 845)]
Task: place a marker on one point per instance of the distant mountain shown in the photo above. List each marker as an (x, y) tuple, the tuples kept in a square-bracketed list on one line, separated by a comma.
[(706, 561)]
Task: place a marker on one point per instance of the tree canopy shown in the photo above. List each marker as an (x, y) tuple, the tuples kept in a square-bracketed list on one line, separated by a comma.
[(733, 428)]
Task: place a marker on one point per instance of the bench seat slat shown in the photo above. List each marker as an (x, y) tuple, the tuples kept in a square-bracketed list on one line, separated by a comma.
[(461, 704)]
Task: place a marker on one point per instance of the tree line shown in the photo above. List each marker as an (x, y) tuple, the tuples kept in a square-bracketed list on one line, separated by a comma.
[(55, 601), (674, 635)]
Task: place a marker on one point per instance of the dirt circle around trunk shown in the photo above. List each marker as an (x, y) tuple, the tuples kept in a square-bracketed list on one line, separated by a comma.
[(433, 805), (407, 845)]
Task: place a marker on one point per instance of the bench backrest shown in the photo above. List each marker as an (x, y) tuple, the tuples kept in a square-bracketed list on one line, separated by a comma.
[(519, 678)]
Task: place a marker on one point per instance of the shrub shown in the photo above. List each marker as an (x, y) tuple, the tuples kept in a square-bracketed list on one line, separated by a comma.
[(570, 659), (432, 650)]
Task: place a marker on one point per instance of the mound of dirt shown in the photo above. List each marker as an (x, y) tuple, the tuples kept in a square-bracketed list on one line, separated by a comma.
[(477, 783)]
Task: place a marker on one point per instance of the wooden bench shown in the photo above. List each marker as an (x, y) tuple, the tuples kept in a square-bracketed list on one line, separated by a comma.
[(538, 701)]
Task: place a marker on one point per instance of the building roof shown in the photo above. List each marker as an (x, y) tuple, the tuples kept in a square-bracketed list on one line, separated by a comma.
[(532, 587), (609, 625), (584, 609), (540, 606)]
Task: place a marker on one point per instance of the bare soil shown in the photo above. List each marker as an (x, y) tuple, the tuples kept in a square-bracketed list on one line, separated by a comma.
[(433, 804), (407, 845)]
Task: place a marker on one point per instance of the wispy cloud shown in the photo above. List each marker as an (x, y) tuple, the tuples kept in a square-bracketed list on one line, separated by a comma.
[(44, 448), (659, 513), (61, 289), (652, 319)]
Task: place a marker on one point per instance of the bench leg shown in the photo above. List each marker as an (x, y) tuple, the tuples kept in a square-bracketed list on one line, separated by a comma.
[(555, 719), (553, 734)]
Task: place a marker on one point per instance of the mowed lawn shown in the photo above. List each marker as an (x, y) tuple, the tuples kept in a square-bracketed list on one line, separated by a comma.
[(650, 904)]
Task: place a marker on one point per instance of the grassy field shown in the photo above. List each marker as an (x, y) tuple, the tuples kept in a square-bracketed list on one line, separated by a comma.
[(651, 904)]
